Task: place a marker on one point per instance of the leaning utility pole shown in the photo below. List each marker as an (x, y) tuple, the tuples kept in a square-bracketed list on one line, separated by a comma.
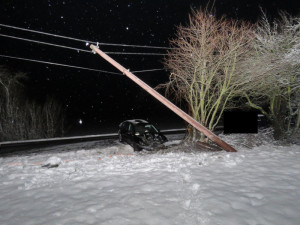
[(165, 101)]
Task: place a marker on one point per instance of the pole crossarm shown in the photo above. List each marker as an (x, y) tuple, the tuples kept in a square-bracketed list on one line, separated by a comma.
[(165, 101)]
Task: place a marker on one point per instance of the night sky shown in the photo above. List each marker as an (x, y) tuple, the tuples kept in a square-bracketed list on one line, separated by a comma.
[(102, 100)]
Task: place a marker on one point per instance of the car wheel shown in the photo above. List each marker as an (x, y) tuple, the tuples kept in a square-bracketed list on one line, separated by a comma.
[(120, 138), (136, 148)]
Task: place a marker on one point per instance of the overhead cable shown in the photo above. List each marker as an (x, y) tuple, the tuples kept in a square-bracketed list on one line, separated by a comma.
[(44, 43), (79, 49), (76, 67), (81, 40), (46, 33), (142, 71), (133, 53), (58, 64), (133, 46)]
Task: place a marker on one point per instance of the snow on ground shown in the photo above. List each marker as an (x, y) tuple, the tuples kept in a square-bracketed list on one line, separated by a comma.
[(106, 182)]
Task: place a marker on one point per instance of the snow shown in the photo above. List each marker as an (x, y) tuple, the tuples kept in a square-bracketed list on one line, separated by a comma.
[(52, 162), (105, 182)]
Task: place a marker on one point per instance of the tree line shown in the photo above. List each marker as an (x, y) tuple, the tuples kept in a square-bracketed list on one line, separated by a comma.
[(21, 118)]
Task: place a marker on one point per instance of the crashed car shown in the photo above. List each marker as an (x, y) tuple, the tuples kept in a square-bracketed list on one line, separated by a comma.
[(141, 134)]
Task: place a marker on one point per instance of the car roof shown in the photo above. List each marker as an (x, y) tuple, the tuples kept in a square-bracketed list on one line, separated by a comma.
[(136, 121)]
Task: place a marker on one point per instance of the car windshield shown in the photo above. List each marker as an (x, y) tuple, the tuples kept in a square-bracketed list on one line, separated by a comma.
[(145, 128)]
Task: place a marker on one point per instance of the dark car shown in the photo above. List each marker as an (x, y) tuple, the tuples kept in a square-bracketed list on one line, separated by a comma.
[(140, 134)]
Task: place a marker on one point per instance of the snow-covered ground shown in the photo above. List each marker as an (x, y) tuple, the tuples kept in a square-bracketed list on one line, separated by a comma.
[(106, 182)]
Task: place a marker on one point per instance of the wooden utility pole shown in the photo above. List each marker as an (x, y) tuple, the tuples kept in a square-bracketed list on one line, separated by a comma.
[(166, 102)]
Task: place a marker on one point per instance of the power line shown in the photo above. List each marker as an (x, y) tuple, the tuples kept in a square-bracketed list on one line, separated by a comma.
[(133, 46), (58, 64), (142, 71), (133, 53), (45, 43), (81, 40), (46, 33), (78, 49), (76, 67)]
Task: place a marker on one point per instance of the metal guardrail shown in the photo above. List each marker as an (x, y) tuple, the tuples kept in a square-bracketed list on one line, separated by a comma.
[(14, 146)]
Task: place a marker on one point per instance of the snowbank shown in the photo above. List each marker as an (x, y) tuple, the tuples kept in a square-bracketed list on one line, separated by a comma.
[(107, 183)]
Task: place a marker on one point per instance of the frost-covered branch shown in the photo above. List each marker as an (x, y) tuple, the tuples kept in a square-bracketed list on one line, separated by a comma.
[(274, 74)]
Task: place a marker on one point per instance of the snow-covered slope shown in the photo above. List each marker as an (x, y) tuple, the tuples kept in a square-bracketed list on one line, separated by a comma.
[(107, 183)]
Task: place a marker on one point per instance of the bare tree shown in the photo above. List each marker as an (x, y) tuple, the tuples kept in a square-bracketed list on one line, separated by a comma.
[(10, 85), (202, 61), (24, 119), (8, 82), (274, 74), (53, 117)]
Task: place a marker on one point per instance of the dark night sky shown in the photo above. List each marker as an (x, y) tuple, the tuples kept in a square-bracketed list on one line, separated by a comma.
[(99, 99)]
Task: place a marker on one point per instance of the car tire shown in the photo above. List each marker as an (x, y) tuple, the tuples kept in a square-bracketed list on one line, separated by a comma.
[(136, 148)]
